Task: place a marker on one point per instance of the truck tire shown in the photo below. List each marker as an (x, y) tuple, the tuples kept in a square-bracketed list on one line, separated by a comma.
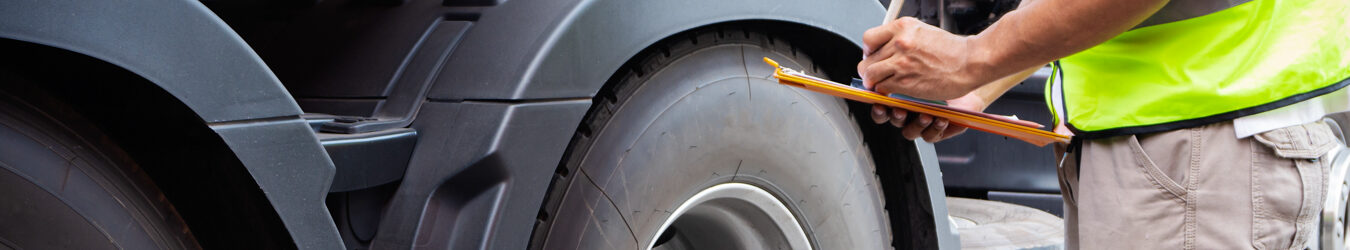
[(692, 145), (65, 186), (985, 224)]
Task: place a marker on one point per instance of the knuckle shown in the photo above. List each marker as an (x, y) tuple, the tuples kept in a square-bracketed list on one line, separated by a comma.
[(871, 34), (901, 22), (905, 43), (911, 22), (899, 62), (900, 42)]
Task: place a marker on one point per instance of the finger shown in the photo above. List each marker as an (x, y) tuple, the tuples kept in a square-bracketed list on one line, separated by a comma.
[(916, 126), (934, 132), (863, 67), (877, 73), (879, 114), (953, 130), (896, 83), (877, 69), (881, 63), (888, 48), (885, 50), (898, 117), (876, 37), (886, 41)]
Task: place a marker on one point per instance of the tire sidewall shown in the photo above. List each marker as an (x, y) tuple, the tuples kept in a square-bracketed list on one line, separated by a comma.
[(710, 116), (78, 182)]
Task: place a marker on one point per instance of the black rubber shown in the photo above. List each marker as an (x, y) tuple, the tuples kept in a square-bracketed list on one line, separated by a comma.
[(700, 109), (65, 186)]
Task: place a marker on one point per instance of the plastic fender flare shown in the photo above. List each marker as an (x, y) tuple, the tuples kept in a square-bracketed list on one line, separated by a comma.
[(182, 47), (570, 54), (179, 45)]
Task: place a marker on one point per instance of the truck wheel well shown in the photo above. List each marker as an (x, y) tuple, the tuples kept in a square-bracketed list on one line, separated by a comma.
[(187, 161), (896, 158)]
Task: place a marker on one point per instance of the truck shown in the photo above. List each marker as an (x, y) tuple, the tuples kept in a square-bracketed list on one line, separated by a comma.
[(455, 124)]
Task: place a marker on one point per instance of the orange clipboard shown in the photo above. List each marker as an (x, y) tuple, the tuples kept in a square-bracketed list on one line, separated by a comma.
[(1022, 130)]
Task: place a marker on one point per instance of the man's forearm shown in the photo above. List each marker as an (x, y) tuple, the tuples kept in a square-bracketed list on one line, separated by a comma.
[(993, 90), (1045, 30)]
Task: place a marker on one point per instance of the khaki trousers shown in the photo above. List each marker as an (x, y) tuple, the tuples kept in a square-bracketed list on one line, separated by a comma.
[(1197, 188)]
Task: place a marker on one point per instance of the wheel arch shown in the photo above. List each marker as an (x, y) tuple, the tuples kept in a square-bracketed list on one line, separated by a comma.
[(597, 34), (156, 130), (592, 35), (539, 58), (181, 50), (179, 46)]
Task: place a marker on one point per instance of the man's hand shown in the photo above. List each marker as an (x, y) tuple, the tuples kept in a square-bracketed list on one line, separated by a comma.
[(910, 57), (916, 59), (932, 129)]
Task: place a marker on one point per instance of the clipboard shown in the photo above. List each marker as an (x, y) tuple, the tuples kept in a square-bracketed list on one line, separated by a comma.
[(1002, 125)]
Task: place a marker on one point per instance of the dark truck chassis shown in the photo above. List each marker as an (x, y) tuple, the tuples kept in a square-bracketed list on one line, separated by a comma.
[(398, 124)]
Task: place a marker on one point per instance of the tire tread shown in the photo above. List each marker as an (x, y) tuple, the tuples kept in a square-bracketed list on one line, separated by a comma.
[(630, 77)]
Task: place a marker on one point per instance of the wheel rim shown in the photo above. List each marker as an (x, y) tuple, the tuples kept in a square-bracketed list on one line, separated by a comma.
[(1333, 224), (731, 216), (1338, 195)]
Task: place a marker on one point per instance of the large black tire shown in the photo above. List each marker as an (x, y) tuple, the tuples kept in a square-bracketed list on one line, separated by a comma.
[(699, 110), (65, 186), (987, 224)]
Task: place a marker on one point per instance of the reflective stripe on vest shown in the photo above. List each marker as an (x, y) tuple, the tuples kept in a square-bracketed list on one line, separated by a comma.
[(1242, 60)]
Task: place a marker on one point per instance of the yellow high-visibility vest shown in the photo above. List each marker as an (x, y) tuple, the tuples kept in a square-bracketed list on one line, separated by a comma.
[(1221, 63)]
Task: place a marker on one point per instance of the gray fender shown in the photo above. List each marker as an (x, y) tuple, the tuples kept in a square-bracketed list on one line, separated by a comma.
[(182, 47), (570, 54), (524, 50)]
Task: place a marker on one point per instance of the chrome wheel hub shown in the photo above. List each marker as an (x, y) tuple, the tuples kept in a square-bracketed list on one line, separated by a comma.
[(731, 216)]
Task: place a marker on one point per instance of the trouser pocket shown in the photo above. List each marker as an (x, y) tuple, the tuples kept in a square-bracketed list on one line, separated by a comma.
[(1177, 165), (1289, 178), (1125, 198)]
